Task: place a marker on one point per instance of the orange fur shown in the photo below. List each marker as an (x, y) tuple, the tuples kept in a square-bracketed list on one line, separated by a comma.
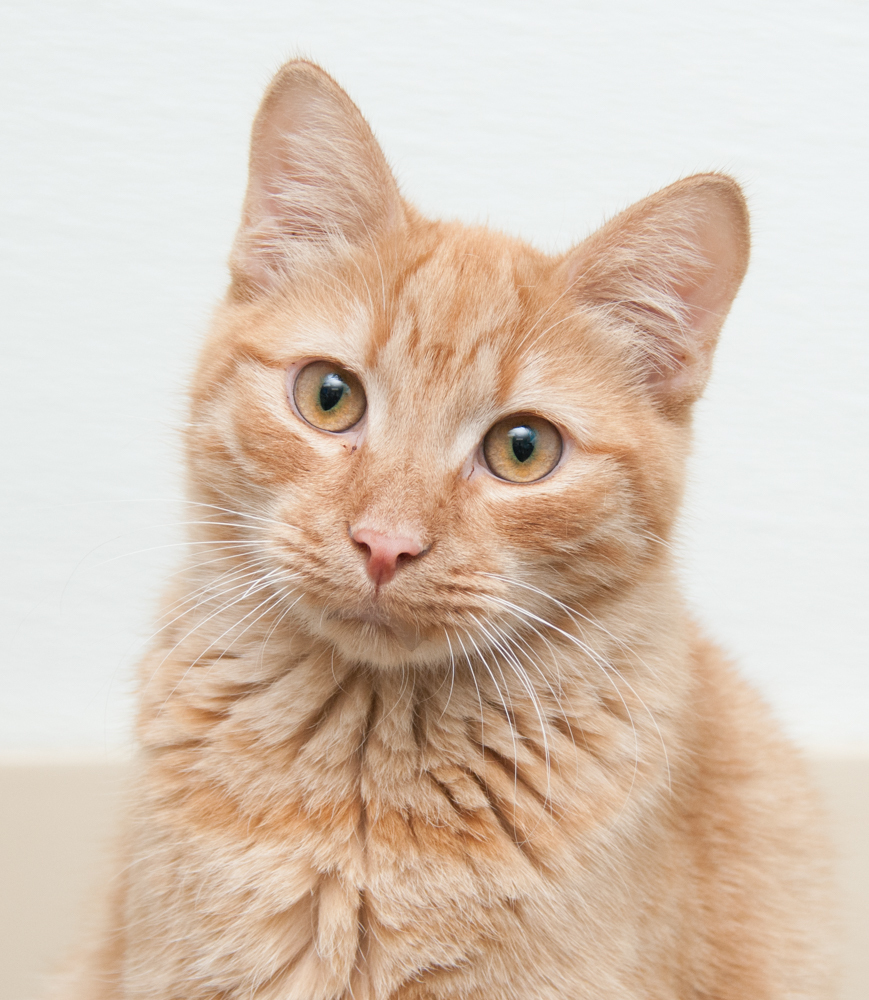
[(516, 770)]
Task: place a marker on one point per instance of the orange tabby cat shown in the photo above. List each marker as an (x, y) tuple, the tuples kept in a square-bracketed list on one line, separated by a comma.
[(428, 718)]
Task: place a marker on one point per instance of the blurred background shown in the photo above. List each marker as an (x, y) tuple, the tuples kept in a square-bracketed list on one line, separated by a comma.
[(123, 163)]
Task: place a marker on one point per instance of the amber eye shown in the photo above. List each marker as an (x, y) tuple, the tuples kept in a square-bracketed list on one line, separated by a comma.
[(522, 448), (328, 396)]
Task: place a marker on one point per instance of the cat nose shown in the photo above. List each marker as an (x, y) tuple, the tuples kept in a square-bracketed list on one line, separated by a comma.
[(384, 552)]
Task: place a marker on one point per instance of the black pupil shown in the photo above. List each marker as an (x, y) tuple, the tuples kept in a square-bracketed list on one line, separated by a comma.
[(524, 441), (332, 390)]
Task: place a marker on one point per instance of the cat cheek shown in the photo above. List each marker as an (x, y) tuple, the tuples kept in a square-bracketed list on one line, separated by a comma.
[(270, 453), (588, 519)]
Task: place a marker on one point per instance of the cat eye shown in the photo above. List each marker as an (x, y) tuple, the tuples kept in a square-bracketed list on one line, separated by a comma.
[(522, 448), (329, 397)]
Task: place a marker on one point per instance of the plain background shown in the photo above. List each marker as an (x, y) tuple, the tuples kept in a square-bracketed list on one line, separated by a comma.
[(122, 168)]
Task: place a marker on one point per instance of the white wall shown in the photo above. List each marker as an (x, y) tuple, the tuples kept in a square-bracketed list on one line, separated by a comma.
[(124, 129)]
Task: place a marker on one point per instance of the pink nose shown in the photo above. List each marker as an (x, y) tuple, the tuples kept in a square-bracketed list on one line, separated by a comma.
[(383, 552)]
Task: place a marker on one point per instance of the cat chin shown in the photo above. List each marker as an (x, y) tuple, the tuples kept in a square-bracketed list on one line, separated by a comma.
[(380, 644)]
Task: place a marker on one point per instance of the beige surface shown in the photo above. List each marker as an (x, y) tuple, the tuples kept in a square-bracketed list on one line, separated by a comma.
[(845, 783), (56, 820)]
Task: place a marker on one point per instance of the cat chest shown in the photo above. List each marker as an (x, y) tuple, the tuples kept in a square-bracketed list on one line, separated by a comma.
[(309, 899)]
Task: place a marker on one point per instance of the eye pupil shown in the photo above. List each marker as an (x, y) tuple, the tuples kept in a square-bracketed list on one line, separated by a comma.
[(332, 390), (523, 441)]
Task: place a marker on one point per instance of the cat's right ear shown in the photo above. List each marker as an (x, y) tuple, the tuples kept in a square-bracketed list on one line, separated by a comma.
[(317, 180)]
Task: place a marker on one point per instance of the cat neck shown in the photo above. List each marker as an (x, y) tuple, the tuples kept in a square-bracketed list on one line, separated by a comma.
[(594, 704)]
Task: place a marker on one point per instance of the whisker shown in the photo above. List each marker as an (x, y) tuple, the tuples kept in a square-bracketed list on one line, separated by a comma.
[(525, 648), (241, 513), (171, 545), (254, 588), (452, 674), (207, 593), (605, 666), (570, 611), (508, 712), (281, 618), (271, 600), (476, 685), (525, 681), (597, 661)]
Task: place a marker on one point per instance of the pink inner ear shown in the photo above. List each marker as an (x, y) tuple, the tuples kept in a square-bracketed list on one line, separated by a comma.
[(317, 177), (722, 246), (667, 270)]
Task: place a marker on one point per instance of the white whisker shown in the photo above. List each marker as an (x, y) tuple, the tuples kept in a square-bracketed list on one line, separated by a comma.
[(603, 663), (452, 674), (525, 681), (262, 584), (598, 661), (508, 712), (476, 686), (271, 601)]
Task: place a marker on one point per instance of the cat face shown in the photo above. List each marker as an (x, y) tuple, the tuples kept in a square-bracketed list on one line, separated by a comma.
[(432, 437)]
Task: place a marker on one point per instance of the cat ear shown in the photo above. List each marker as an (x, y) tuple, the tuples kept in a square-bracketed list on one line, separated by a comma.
[(317, 179), (663, 275)]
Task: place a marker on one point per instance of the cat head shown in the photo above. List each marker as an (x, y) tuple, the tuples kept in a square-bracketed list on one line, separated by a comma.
[(430, 437)]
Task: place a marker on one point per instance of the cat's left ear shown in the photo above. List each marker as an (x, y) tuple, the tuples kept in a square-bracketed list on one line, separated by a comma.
[(317, 180), (662, 276)]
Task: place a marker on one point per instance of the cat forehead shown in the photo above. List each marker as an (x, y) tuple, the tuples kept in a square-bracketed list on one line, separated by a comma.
[(461, 291), (471, 305), (451, 319)]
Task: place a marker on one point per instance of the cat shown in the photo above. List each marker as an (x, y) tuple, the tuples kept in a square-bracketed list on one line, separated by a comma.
[(427, 717)]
